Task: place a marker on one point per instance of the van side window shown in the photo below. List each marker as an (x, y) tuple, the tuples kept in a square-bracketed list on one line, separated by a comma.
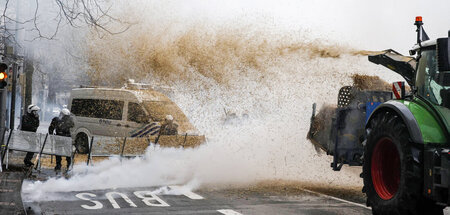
[(98, 108), (136, 114)]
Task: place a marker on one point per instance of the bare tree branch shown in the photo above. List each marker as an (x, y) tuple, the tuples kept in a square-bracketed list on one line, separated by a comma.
[(40, 35), (76, 13)]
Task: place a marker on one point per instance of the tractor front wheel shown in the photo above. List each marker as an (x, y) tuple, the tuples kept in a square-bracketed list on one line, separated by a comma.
[(393, 180)]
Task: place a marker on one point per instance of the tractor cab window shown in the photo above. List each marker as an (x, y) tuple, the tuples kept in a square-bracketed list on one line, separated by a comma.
[(428, 79)]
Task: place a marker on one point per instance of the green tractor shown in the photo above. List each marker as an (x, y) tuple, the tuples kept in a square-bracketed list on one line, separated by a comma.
[(401, 139)]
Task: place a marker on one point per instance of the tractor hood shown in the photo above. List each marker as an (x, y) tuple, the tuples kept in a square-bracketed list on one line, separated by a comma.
[(403, 65)]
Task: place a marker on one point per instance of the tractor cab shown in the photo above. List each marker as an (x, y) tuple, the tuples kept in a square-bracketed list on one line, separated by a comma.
[(432, 79), (433, 73)]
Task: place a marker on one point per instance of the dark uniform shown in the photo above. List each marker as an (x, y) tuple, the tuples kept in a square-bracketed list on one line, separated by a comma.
[(169, 129), (61, 127), (30, 122)]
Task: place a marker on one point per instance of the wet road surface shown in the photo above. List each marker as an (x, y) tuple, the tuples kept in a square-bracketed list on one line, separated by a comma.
[(143, 201)]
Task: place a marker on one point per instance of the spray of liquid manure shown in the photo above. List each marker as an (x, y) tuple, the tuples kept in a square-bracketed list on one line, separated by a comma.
[(265, 77)]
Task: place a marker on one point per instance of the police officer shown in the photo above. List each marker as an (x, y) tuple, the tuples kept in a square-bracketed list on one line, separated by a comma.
[(168, 127), (61, 126), (30, 122)]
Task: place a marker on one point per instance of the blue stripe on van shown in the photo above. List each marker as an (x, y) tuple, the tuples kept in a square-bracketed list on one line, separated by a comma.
[(143, 129), (156, 129), (155, 132)]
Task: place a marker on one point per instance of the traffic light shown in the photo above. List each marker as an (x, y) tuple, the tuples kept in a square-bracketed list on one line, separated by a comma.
[(3, 75)]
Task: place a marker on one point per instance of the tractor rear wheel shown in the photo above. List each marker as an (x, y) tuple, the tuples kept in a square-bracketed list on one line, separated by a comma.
[(393, 180)]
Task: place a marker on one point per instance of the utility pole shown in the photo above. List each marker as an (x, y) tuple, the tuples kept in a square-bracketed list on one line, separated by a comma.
[(13, 96), (3, 84), (3, 108), (29, 70)]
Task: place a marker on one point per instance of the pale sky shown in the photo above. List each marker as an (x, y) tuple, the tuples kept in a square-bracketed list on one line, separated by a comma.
[(367, 24)]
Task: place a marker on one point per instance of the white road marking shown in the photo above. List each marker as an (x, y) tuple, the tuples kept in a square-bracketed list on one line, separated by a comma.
[(228, 212), (150, 201), (187, 193), (83, 196), (110, 197), (338, 199)]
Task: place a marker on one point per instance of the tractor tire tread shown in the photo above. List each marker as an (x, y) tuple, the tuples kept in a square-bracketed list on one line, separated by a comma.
[(409, 198)]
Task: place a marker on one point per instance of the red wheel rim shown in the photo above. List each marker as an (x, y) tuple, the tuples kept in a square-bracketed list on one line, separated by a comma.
[(385, 168)]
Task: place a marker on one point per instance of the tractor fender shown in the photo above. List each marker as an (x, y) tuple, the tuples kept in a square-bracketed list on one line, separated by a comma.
[(408, 118)]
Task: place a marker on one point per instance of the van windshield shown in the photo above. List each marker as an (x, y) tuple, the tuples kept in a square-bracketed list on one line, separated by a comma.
[(159, 109)]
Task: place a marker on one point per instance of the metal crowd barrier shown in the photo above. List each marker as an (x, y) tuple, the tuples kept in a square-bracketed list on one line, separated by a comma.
[(25, 141), (100, 146)]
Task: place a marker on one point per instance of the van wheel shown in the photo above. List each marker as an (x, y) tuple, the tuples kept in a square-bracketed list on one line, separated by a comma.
[(81, 143)]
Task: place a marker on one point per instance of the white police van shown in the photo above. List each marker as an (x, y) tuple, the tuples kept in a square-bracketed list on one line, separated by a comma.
[(121, 113)]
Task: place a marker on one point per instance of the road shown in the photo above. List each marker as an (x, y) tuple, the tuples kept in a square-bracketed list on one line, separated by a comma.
[(272, 199), (229, 202)]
